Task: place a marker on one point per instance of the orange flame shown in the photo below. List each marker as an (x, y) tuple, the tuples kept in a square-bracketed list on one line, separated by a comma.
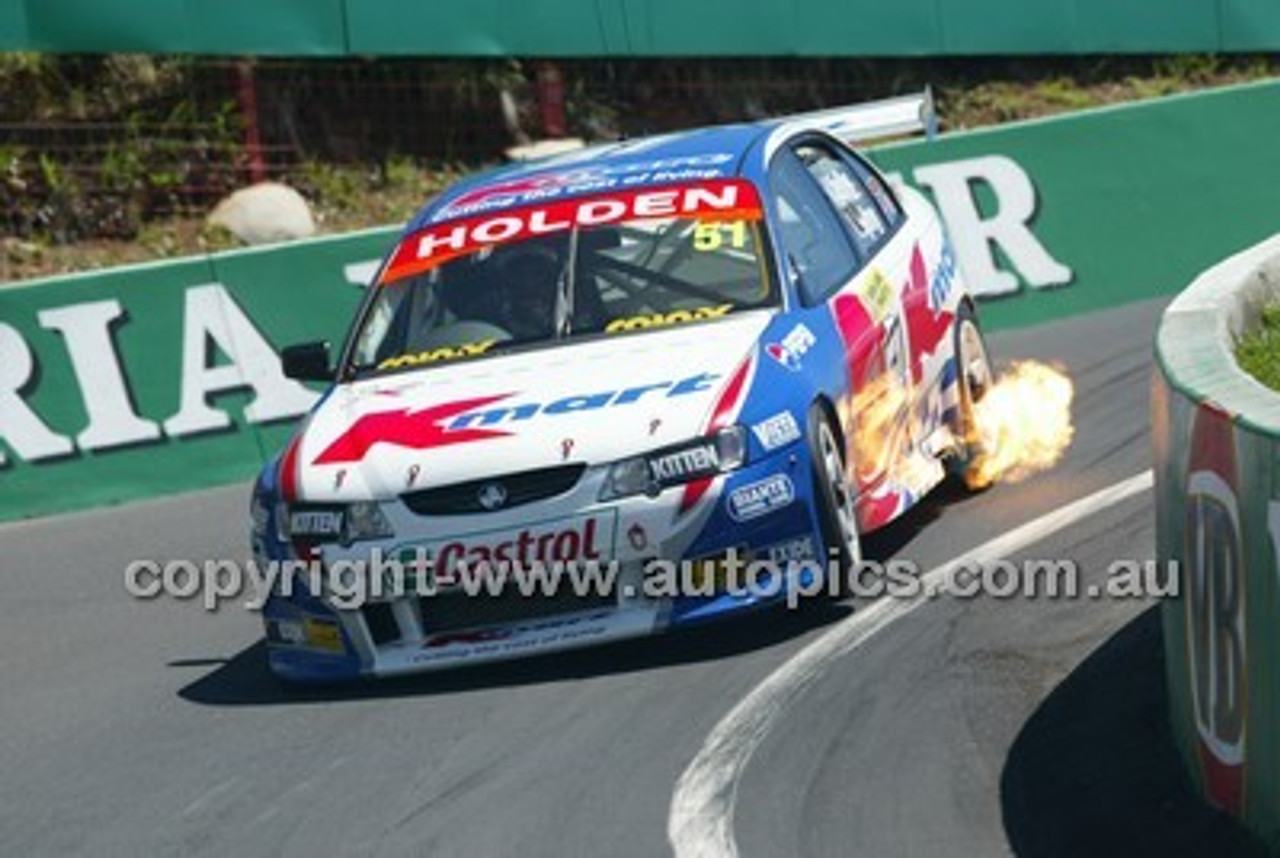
[(879, 417), (1023, 424)]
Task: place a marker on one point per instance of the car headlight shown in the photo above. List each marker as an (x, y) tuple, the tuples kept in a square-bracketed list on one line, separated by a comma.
[(649, 474), (344, 523), (365, 520)]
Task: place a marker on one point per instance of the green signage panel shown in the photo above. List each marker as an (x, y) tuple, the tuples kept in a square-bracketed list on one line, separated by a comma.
[(1250, 25), (625, 28), (1134, 201)]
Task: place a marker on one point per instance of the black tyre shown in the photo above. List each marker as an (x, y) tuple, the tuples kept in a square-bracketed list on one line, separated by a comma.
[(836, 511), (973, 371)]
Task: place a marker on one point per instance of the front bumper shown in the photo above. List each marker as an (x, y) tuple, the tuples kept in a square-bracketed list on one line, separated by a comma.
[(764, 510)]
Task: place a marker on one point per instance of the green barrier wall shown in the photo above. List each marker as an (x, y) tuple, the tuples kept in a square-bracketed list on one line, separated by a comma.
[(628, 28), (1215, 434), (1130, 199), (170, 350), (114, 386)]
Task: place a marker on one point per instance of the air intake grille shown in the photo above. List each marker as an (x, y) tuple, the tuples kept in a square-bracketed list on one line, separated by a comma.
[(520, 488)]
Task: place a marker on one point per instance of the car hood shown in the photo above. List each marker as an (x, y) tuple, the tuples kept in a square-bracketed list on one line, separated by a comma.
[(590, 402)]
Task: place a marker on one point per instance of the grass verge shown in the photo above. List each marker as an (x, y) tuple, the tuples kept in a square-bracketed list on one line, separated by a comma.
[(1258, 352)]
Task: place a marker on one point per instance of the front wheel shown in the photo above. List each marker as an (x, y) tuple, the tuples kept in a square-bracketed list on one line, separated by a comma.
[(835, 498)]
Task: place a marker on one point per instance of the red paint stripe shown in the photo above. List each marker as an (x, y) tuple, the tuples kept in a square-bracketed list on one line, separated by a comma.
[(726, 407), (728, 402), (288, 475), (289, 491)]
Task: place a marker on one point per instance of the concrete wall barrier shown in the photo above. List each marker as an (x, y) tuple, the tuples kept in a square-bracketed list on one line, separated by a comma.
[(1215, 435)]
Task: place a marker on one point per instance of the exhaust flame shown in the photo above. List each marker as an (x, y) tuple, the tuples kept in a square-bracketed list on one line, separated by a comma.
[(1023, 424), (880, 420)]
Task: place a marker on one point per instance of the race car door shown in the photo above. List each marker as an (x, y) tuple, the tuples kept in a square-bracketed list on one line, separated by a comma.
[(838, 242)]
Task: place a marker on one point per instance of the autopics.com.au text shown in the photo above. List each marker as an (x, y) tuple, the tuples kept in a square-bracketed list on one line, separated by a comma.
[(349, 584)]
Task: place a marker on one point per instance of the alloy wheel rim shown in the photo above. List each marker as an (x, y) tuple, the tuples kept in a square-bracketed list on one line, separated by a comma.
[(846, 519)]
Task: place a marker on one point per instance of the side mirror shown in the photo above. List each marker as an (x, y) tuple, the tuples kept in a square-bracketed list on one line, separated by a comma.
[(307, 362)]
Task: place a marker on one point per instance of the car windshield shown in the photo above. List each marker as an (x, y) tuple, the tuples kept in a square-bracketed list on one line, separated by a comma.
[(599, 266)]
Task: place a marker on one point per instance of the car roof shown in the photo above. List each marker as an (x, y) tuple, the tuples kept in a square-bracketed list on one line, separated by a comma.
[(712, 152)]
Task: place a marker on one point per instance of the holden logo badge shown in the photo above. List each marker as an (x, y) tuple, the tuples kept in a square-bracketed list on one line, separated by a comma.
[(492, 496)]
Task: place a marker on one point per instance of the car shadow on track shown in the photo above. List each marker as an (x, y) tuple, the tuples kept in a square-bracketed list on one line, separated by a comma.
[(244, 680), (1094, 771)]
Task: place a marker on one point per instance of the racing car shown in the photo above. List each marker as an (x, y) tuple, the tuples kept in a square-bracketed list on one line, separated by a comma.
[(732, 342)]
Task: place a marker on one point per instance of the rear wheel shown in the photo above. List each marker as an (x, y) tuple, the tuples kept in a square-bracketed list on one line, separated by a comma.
[(835, 497), (973, 378)]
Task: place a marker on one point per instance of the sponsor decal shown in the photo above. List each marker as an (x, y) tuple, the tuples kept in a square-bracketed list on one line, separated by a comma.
[(323, 634), (463, 421), (761, 498), (419, 429), (315, 522), (791, 551), (434, 355), (507, 638), (587, 178), (423, 250), (476, 636), (877, 295), (927, 328), (659, 320), (943, 279), (777, 431), (566, 540), (1215, 601), (319, 634), (793, 347), (684, 464)]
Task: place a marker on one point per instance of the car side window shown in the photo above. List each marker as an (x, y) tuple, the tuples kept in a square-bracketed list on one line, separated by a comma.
[(849, 195), (815, 247), (879, 188)]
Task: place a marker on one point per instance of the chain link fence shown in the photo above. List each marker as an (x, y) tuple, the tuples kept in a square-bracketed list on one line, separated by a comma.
[(96, 146)]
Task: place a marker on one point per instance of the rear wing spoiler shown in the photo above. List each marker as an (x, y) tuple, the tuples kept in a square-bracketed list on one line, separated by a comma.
[(874, 120)]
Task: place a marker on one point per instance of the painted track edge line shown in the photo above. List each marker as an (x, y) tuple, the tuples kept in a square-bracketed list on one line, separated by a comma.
[(700, 817)]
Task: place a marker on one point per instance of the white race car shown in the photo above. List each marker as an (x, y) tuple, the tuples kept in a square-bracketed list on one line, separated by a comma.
[(731, 345)]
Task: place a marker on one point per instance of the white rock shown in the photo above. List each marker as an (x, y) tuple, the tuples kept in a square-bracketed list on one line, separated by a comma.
[(265, 213), (540, 149)]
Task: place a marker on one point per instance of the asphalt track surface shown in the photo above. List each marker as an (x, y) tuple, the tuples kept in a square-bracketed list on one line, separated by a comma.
[(968, 727)]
